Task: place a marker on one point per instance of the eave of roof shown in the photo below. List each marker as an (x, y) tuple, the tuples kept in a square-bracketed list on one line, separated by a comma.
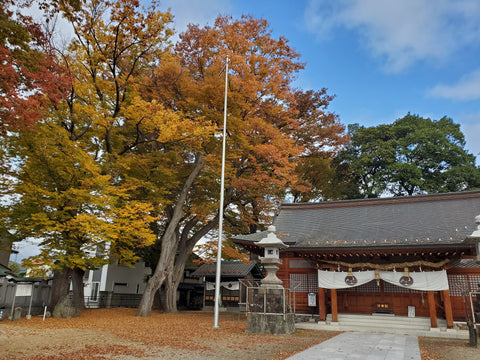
[(228, 269)]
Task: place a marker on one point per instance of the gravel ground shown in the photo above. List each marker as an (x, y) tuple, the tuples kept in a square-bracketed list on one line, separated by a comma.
[(118, 334)]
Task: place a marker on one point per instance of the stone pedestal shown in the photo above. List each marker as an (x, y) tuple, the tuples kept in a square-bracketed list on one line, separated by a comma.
[(271, 281), (274, 324), (65, 309)]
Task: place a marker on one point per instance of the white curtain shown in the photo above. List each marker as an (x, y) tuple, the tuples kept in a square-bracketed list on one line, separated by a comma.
[(427, 281), (336, 279), (230, 285), (210, 285)]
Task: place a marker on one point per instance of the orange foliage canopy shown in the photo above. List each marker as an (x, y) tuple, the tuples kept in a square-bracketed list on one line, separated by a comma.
[(272, 128)]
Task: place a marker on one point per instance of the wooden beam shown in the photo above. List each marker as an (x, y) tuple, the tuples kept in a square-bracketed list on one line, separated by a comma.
[(448, 309), (433, 311), (322, 309), (334, 305)]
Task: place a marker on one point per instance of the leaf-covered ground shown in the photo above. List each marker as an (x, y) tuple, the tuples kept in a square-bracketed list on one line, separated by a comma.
[(118, 334), (447, 349)]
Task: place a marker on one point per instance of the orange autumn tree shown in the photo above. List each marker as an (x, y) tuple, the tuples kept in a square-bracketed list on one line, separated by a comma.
[(31, 79), (264, 144), (30, 82), (322, 136)]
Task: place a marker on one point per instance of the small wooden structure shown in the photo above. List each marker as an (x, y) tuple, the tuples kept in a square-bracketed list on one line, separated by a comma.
[(232, 273), (375, 252)]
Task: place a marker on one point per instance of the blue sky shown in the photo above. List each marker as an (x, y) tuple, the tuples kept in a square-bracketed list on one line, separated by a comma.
[(381, 58)]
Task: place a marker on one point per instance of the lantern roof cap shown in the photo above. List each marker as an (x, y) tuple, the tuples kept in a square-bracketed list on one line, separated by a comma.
[(476, 233), (271, 240)]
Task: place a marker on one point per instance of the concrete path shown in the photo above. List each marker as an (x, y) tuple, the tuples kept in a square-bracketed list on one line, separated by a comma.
[(364, 346)]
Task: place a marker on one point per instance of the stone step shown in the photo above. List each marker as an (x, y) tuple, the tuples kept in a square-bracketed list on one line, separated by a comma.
[(418, 326), (385, 321)]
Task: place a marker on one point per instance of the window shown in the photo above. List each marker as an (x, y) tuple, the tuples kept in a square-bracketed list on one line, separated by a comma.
[(474, 282), (94, 293), (304, 282), (458, 284)]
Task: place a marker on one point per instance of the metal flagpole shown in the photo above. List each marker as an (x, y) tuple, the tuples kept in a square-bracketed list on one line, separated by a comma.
[(220, 220)]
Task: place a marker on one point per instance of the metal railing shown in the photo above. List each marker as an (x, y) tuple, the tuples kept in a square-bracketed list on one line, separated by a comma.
[(474, 298), (258, 299)]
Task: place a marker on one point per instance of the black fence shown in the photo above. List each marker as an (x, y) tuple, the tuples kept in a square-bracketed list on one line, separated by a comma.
[(110, 300)]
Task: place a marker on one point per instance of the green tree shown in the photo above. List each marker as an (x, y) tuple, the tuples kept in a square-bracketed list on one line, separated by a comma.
[(413, 155), (15, 267)]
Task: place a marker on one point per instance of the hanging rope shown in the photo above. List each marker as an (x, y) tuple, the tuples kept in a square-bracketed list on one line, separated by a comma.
[(388, 266)]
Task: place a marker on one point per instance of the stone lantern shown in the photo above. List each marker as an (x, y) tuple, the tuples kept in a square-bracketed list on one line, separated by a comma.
[(269, 312), (272, 245), (475, 238)]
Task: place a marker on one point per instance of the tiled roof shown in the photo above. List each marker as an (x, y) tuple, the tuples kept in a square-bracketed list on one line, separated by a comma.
[(229, 269), (416, 220)]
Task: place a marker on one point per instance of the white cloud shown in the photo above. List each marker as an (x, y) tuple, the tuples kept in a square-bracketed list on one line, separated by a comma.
[(201, 12), (470, 126), (400, 32), (467, 88)]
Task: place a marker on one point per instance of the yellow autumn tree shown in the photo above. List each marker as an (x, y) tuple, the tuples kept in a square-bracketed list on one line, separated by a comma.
[(76, 188), (64, 200)]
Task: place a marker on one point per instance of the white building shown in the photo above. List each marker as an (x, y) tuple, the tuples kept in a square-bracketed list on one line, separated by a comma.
[(111, 282)]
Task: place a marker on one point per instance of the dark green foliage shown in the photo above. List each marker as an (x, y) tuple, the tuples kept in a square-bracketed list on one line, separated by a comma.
[(414, 155)]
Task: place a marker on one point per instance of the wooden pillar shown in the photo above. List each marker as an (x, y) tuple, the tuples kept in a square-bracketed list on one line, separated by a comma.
[(334, 306), (322, 310), (448, 309), (433, 311)]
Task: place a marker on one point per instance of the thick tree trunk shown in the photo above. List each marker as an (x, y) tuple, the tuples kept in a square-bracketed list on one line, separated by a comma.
[(171, 287), (169, 243), (78, 286), (185, 248), (175, 277), (62, 305), (145, 306), (60, 285)]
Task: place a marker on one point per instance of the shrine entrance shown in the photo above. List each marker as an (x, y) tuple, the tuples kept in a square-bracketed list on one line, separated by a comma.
[(380, 297), (414, 294)]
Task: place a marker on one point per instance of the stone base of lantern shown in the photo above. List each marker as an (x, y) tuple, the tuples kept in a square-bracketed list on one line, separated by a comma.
[(274, 324)]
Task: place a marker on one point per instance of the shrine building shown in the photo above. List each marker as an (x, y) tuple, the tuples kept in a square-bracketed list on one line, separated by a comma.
[(384, 255)]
